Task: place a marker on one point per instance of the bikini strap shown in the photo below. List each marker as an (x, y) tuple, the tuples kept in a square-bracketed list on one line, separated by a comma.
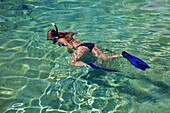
[(70, 39)]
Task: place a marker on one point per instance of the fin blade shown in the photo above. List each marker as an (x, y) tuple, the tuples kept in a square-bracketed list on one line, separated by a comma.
[(138, 63), (93, 65)]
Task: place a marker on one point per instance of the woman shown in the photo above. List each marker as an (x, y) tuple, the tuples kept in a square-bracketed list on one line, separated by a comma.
[(66, 39)]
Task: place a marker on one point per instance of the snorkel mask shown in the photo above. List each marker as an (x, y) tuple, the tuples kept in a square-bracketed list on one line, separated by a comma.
[(53, 34)]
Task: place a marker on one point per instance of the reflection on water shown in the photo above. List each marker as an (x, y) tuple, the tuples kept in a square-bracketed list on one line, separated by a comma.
[(36, 76)]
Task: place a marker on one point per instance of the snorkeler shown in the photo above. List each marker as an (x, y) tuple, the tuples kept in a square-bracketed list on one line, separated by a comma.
[(66, 39), (80, 50)]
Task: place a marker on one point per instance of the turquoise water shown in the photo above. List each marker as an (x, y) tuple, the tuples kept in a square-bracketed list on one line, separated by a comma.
[(35, 76)]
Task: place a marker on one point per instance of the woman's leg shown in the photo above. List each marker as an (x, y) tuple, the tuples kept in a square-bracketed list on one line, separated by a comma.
[(77, 55), (98, 53)]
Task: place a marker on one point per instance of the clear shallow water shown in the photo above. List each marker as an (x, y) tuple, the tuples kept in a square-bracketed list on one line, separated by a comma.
[(36, 76)]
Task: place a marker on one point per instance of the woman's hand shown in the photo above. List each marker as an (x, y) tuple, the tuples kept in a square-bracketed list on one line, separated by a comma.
[(70, 50)]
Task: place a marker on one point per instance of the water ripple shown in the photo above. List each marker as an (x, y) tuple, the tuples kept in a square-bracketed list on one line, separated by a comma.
[(36, 76)]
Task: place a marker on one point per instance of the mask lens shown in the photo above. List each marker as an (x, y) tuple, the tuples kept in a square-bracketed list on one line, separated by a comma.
[(53, 38)]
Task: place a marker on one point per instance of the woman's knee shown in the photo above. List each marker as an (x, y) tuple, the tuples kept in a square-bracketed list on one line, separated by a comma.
[(103, 57), (73, 62)]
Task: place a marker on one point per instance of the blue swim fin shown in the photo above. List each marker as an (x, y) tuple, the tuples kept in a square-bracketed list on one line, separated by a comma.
[(93, 65), (138, 63)]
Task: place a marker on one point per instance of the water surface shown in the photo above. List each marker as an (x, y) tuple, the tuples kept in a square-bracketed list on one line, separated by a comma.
[(36, 76)]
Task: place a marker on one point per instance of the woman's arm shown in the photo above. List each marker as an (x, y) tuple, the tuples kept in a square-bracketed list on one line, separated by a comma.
[(69, 46), (64, 42)]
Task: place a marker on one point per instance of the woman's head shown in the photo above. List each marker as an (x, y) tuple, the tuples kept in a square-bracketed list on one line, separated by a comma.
[(52, 35)]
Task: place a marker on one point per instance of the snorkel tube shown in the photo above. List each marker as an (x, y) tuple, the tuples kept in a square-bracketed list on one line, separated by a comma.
[(55, 39)]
